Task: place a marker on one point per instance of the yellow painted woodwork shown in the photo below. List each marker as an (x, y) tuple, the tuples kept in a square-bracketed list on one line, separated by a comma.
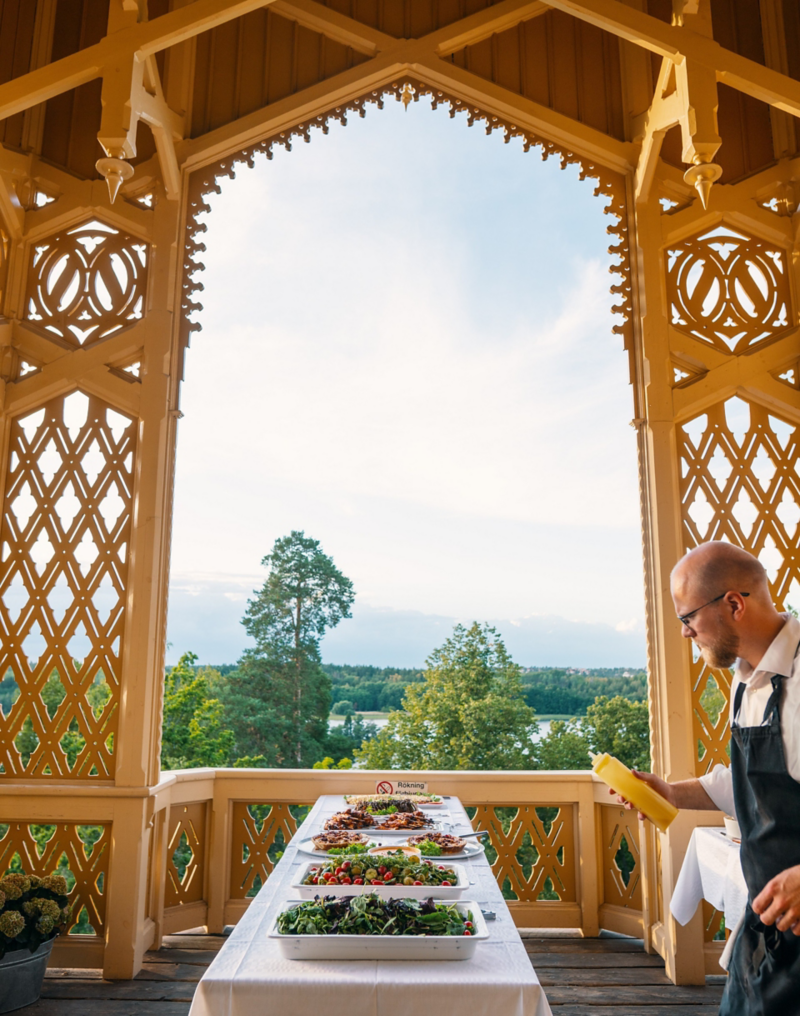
[(685, 119)]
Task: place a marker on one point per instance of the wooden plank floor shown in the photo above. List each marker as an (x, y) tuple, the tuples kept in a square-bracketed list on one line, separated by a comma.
[(607, 976)]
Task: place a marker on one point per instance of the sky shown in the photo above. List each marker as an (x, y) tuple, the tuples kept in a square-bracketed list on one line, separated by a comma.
[(407, 352)]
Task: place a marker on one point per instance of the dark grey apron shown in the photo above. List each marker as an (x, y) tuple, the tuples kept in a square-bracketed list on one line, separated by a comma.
[(764, 973)]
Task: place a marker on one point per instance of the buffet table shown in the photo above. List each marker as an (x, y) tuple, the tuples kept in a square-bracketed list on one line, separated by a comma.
[(250, 977)]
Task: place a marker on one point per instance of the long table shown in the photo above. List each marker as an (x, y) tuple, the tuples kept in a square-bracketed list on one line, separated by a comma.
[(250, 977)]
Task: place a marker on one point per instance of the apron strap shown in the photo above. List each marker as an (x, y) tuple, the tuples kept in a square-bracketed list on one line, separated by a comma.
[(773, 703), (737, 702)]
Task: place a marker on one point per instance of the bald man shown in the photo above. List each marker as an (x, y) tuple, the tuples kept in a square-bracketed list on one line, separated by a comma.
[(723, 604)]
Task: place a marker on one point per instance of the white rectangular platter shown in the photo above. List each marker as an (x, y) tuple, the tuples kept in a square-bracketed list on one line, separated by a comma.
[(473, 848), (416, 892), (385, 947)]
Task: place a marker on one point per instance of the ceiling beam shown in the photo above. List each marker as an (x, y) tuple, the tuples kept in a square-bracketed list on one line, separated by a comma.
[(139, 41), (679, 44)]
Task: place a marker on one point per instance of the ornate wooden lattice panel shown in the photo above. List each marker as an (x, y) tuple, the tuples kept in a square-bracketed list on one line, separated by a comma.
[(65, 542), (534, 848), (86, 284), (78, 852), (186, 854), (739, 482), (728, 289), (260, 834), (621, 859)]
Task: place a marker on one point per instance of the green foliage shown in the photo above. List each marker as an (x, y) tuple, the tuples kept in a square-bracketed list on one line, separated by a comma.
[(343, 708), (279, 696), (328, 763), (9, 692), (194, 731), (565, 746), (713, 700), (468, 713), (617, 725)]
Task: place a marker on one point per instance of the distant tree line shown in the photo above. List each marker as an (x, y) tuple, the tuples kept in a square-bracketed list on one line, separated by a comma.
[(562, 692), (551, 691)]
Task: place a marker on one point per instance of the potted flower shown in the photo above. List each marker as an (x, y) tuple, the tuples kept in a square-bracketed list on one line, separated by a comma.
[(33, 911)]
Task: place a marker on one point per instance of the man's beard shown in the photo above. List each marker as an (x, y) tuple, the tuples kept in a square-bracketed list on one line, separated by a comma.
[(723, 652)]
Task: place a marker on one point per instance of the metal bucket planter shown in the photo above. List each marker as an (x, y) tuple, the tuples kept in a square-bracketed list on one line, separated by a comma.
[(21, 976)]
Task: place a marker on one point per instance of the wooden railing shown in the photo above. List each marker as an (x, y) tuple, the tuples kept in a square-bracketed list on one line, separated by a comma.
[(564, 856)]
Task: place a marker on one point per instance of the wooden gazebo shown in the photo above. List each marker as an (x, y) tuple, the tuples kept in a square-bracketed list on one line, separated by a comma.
[(117, 118)]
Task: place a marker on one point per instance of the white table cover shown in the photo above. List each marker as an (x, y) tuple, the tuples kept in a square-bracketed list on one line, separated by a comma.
[(250, 977), (712, 870)]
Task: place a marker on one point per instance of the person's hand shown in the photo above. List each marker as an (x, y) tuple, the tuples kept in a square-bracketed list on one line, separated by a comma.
[(778, 902), (659, 785)]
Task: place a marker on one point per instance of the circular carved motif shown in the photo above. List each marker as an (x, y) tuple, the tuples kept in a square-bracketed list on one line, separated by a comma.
[(728, 289), (86, 284)]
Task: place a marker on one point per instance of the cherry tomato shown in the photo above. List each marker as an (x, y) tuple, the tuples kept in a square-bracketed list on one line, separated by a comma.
[(468, 924), (382, 869), (441, 867), (377, 881), (315, 881), (358, 881), (339, 871), (445, 882), (346, 880), (467, 932), (346, 864), (417, 882)]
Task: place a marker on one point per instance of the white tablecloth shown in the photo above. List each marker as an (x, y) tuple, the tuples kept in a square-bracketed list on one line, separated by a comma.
[(711, 871), (249, 976)]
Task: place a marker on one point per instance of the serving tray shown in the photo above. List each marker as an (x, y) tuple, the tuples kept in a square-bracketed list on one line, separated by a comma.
[(416, 892), (385, 947)]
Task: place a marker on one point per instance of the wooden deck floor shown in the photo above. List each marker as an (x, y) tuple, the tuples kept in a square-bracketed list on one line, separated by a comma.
[(605, 976)]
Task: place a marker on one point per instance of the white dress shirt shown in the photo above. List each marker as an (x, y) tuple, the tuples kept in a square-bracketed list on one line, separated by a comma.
[(780, 658)]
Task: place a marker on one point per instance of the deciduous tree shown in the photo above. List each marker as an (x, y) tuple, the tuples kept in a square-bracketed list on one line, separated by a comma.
[(468, 713)]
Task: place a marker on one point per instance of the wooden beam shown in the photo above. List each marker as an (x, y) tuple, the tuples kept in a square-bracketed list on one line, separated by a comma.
[(444, 41), (483, 24), (678, 44), (141, 40), (284, 114), (736, 372), (337, 27), (585, 141), (576, 137)]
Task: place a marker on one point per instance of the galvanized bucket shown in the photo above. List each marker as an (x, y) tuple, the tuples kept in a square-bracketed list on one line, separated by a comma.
[(21, 976)]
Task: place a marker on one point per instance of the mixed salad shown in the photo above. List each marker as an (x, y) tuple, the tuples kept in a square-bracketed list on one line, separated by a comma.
[(389, 869), (371, 915)]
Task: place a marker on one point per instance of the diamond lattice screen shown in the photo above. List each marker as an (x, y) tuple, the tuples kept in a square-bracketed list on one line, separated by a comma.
[(740, 481), (65, 542)]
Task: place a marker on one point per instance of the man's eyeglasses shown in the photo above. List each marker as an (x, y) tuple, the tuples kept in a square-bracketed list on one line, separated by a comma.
[(685, 618)]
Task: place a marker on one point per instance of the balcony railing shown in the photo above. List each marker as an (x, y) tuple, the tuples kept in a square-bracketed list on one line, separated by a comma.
[(563, 853)]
